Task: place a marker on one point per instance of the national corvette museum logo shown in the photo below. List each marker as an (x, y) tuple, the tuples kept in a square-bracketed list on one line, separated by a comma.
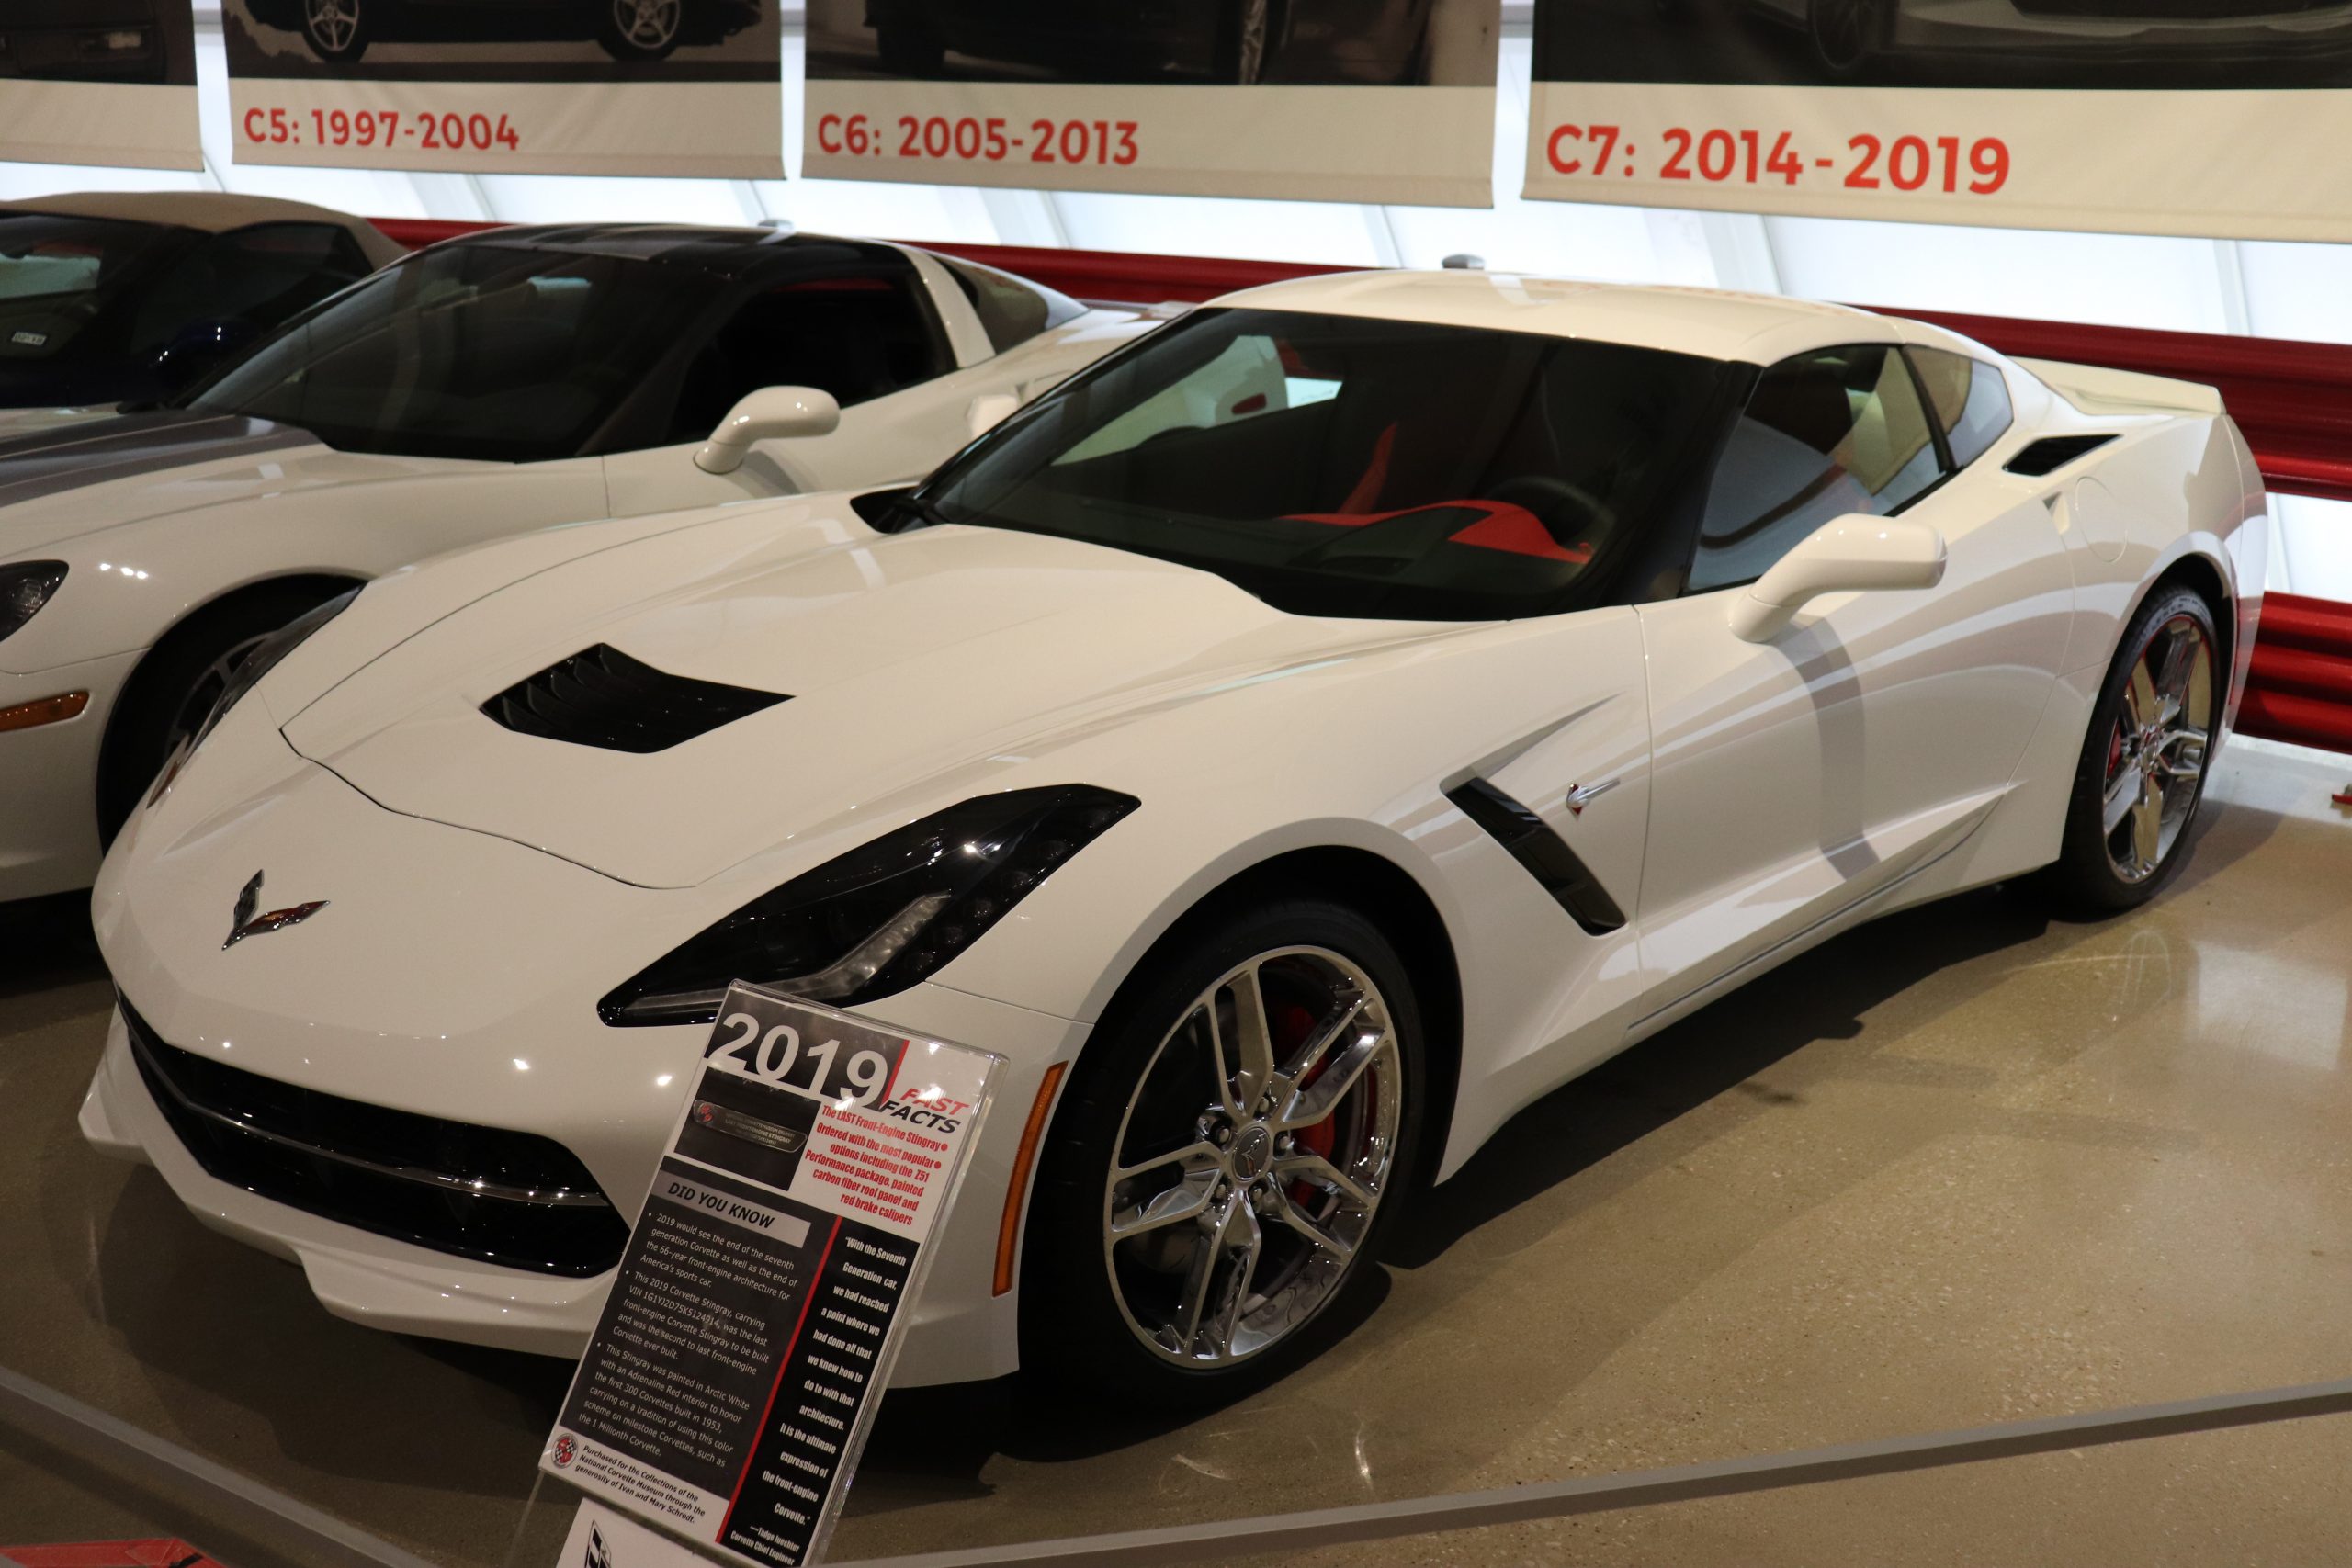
[(566, 1449)]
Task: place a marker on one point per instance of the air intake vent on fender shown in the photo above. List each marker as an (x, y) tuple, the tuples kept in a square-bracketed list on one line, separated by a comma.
[(2052, 453), (599, 697), (1543, 855)]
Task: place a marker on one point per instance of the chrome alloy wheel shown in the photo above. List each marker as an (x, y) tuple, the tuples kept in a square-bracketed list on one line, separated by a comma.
[(205, 695), (333, 23), (2156, 758), (1252, 1156), (647, 24)]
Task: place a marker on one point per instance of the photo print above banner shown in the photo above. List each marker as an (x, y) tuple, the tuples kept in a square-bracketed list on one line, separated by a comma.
[(655, 87), (1315, 100), (109, 82), (2209, 117)]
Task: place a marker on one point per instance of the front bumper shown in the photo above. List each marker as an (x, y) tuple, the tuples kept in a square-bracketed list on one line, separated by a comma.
[(455, 975), (961, 1331)]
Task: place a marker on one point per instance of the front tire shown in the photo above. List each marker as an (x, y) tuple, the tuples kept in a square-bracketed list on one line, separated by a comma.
[(639, 31), (1238, 1135), (2142, 777), (175, 687), (1848, 36), (338, 30)]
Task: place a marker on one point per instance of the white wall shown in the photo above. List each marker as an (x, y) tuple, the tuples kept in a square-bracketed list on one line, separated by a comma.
[(2272, 290)]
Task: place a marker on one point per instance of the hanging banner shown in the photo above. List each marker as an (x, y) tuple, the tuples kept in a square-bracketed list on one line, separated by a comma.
[(2211, 117), (99, 82), (769, 1280), (661, 87), (1328, 100)]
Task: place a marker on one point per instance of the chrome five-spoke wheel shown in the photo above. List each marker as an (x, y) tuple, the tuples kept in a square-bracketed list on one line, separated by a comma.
[(1252, 1157), (2155, 756)]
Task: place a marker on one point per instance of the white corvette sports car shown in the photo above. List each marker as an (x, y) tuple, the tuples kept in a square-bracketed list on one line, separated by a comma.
[(511, 380), (1295, 744)]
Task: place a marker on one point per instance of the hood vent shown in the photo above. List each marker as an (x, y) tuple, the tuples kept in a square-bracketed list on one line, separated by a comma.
[(599, 697)]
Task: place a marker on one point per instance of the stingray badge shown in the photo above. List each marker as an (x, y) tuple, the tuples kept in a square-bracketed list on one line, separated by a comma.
[(245, 923)]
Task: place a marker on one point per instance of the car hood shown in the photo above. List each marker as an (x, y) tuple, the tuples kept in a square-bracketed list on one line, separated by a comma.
[(921, 669), (62, 478)]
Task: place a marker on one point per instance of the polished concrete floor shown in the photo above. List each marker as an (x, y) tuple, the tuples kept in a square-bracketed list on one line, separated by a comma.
[(1965, 1166)]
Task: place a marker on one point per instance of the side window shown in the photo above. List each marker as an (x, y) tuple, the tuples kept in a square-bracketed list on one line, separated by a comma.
[(1970, 400), (1826, 433), (858, 335), (262, 276), (1012, 310)]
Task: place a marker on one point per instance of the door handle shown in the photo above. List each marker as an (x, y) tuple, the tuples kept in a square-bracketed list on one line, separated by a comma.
[(1582, 795)]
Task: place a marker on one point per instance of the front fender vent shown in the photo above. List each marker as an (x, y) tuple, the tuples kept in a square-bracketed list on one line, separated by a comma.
[(599, 697), (2051, 453), (1543, 852)]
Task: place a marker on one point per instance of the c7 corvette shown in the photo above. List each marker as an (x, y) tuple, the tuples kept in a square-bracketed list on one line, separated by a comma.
[(1295, 745), (511, 380)]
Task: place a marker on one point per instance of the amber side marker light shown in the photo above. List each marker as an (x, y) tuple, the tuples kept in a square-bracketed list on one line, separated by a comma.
[(1008, 1235), (48, 710)]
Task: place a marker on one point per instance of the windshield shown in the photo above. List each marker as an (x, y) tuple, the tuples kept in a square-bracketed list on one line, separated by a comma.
[(1338, 466), (58, 274), (504, 353)]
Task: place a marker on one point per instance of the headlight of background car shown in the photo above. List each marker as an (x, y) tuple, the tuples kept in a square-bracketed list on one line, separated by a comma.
[(267, 655), (881, 918), (23, 589)]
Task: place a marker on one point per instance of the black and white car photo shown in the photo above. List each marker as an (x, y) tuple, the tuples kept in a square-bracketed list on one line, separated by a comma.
[(1234, 42), (491, 38)]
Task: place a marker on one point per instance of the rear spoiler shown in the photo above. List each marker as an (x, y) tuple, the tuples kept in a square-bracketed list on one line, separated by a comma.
[(2096, 391)]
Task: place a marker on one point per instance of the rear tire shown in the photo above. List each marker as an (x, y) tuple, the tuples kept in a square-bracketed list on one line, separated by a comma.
[(1209, 1267), (636, 31), (2142, 778), (175, 686)]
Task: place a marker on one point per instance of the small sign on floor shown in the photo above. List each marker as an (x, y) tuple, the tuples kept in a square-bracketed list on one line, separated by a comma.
[(729, 1386)]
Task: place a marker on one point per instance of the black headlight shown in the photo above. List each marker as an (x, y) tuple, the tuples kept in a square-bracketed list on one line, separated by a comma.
[(23, 589), (880, 918), (267, 655)]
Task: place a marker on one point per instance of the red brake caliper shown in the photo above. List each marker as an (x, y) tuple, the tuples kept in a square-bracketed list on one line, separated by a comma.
[(1322, 1137)]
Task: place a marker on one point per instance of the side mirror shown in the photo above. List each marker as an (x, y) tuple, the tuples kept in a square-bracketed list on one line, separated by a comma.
[(1848, 555), (990, 411), (771, 413)]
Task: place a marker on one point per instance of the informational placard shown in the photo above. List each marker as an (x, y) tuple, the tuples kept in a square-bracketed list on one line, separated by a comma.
[(2172, 117), (691, 88), (750, 1329), (1331, 100), (109, 82)]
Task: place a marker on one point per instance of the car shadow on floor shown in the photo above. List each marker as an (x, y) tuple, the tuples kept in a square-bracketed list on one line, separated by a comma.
[(46, 944)]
